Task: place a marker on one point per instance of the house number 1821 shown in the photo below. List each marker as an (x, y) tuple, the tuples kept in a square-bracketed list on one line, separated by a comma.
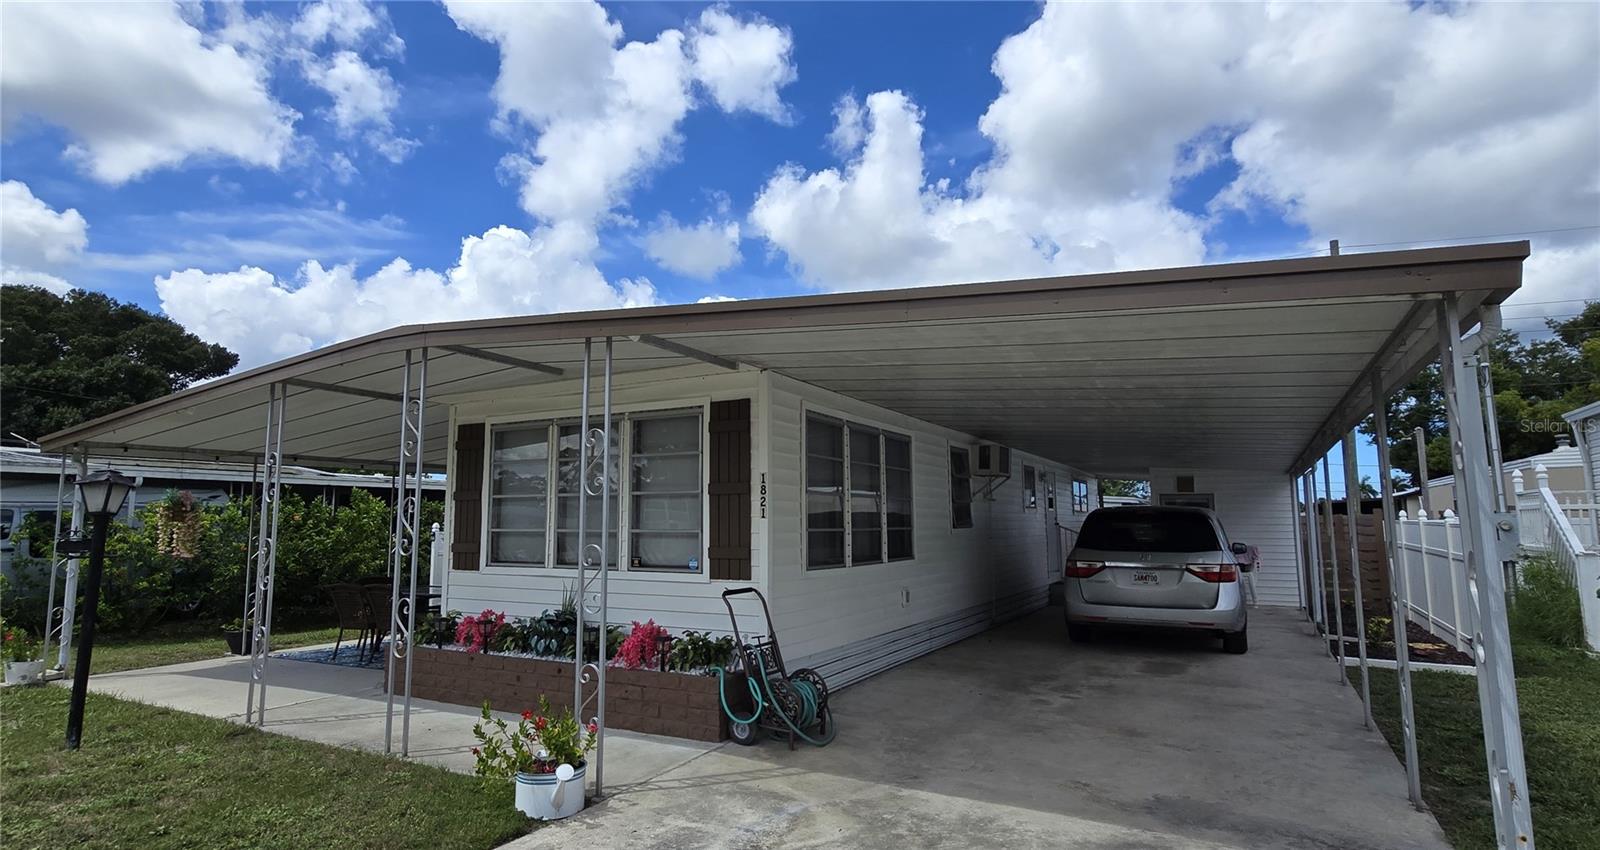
[(763, 495)]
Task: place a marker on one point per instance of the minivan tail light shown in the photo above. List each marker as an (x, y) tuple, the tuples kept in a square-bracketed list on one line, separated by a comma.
[(1084, 569), (1214, 573)]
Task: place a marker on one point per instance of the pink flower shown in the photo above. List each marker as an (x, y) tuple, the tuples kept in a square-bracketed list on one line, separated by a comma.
[(593, 727)]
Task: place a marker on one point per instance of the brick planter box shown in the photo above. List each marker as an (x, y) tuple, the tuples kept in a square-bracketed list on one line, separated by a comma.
[(676, 704)]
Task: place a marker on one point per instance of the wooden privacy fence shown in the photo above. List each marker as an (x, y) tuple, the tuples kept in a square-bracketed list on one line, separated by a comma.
[(1429, 559), (1374, 575)]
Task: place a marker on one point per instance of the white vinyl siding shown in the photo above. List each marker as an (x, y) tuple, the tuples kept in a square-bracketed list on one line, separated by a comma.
[(1254, 508), (678, 599), (957, 581)]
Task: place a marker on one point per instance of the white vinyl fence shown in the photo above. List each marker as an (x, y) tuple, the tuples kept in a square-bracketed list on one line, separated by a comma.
[(1434, 570), (1549, 526)]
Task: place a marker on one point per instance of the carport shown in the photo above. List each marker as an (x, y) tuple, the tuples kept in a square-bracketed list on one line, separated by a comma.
[(1245, 369)]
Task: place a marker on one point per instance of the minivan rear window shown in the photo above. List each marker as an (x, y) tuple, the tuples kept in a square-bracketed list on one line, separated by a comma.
[(1148, 531)]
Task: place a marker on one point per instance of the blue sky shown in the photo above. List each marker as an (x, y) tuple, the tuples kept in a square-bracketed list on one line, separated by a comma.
[(280, 176)]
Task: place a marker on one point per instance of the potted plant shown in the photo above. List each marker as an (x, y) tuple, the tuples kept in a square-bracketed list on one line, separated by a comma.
[(239, 642), (23, 666), (544, 755)]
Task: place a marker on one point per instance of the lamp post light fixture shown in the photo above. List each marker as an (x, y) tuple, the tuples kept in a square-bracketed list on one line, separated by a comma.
[(101, 494)]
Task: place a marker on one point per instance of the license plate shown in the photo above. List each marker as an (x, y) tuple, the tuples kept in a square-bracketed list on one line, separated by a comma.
[(1146, 578)]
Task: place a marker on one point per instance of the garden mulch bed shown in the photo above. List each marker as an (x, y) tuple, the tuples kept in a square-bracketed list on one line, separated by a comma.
[(1425, 646)]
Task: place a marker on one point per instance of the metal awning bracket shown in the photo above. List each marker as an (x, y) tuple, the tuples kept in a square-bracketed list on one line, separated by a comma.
[(502, 359), (685, 350)]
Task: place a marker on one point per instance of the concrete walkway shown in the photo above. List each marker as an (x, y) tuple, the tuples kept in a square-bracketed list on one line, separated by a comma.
[(1014, 738)]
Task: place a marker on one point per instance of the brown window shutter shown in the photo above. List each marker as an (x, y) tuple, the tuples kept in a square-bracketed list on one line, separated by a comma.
[(729, 490), (467, 480)]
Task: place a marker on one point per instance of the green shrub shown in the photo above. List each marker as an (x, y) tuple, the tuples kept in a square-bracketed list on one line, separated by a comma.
[(1380, 631), (142, 586), (1545, 607)]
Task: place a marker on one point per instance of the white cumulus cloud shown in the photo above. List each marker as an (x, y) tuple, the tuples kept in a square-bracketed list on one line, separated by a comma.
[(603, 116), (1370, 123), (504, 271), (698, 250), (36, 240), (743, 63), (137, 88)]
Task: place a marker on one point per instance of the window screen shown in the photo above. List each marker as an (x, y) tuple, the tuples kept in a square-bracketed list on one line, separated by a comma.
[(519, 468), (666, 508), (569, 485), (897, 494), (866, 496), (824, 485)]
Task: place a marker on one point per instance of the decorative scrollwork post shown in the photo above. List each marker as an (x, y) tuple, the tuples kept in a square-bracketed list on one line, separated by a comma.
[(260, 619), (406, 543)]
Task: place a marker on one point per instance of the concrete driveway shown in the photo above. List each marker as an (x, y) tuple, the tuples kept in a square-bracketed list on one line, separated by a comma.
[(1016, 738)]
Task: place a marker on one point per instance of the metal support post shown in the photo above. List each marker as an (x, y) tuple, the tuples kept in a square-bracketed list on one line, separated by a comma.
[(1308, 484), (580, 675), (69, 600), (56, 561), (1492, 428), (1352, 512), (404, 549), (255, 703), (595, 464), (1333, 560), (1422, 472), (1480, 535), (249, 555), (1399, 603)]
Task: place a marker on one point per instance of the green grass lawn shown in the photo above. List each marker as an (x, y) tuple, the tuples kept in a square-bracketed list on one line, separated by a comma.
[(154, 778), (1559, 697), (187, 642)]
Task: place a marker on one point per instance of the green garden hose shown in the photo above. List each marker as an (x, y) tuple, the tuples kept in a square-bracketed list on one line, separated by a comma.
[(722, 694), (808, 706)]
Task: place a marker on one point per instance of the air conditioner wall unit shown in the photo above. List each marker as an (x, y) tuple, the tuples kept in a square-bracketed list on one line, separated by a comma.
[(994, 460)]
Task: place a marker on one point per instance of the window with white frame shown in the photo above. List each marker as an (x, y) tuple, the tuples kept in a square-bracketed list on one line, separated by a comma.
[(519, 474), (660, 503), (858, 494), (1080, 496), (960, 487), (569, 489), (897, 495), (666, 507)]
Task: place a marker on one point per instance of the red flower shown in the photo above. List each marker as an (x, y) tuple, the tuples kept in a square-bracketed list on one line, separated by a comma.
[(527, 715), (540, 723), (593, 727), (475, 751)]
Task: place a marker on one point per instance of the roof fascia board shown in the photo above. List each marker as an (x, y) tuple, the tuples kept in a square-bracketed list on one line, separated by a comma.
[(1349, 276)]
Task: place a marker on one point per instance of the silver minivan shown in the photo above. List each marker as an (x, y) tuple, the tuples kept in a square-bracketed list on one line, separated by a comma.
[(1165, 567)]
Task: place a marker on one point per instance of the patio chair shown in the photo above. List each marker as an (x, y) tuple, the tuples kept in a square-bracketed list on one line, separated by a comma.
[(350, 606), (378, 611)]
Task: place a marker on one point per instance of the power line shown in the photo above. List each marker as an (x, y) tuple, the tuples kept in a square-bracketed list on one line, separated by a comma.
[(1324, 252)]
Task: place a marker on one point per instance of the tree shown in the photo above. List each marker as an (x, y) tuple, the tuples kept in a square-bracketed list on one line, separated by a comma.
[(1534, 383), (68, 359), (1125, 487)]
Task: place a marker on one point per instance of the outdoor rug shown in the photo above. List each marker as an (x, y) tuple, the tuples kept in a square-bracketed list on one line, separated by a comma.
[(349, 656)]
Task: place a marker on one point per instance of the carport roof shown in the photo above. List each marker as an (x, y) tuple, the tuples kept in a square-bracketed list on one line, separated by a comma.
[(1257, 365)]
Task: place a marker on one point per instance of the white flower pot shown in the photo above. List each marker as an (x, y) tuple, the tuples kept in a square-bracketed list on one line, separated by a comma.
[(24, 672), (549, 796)]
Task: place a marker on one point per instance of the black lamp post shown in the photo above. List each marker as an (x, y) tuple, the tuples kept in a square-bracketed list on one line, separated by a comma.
[(102, 494)]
